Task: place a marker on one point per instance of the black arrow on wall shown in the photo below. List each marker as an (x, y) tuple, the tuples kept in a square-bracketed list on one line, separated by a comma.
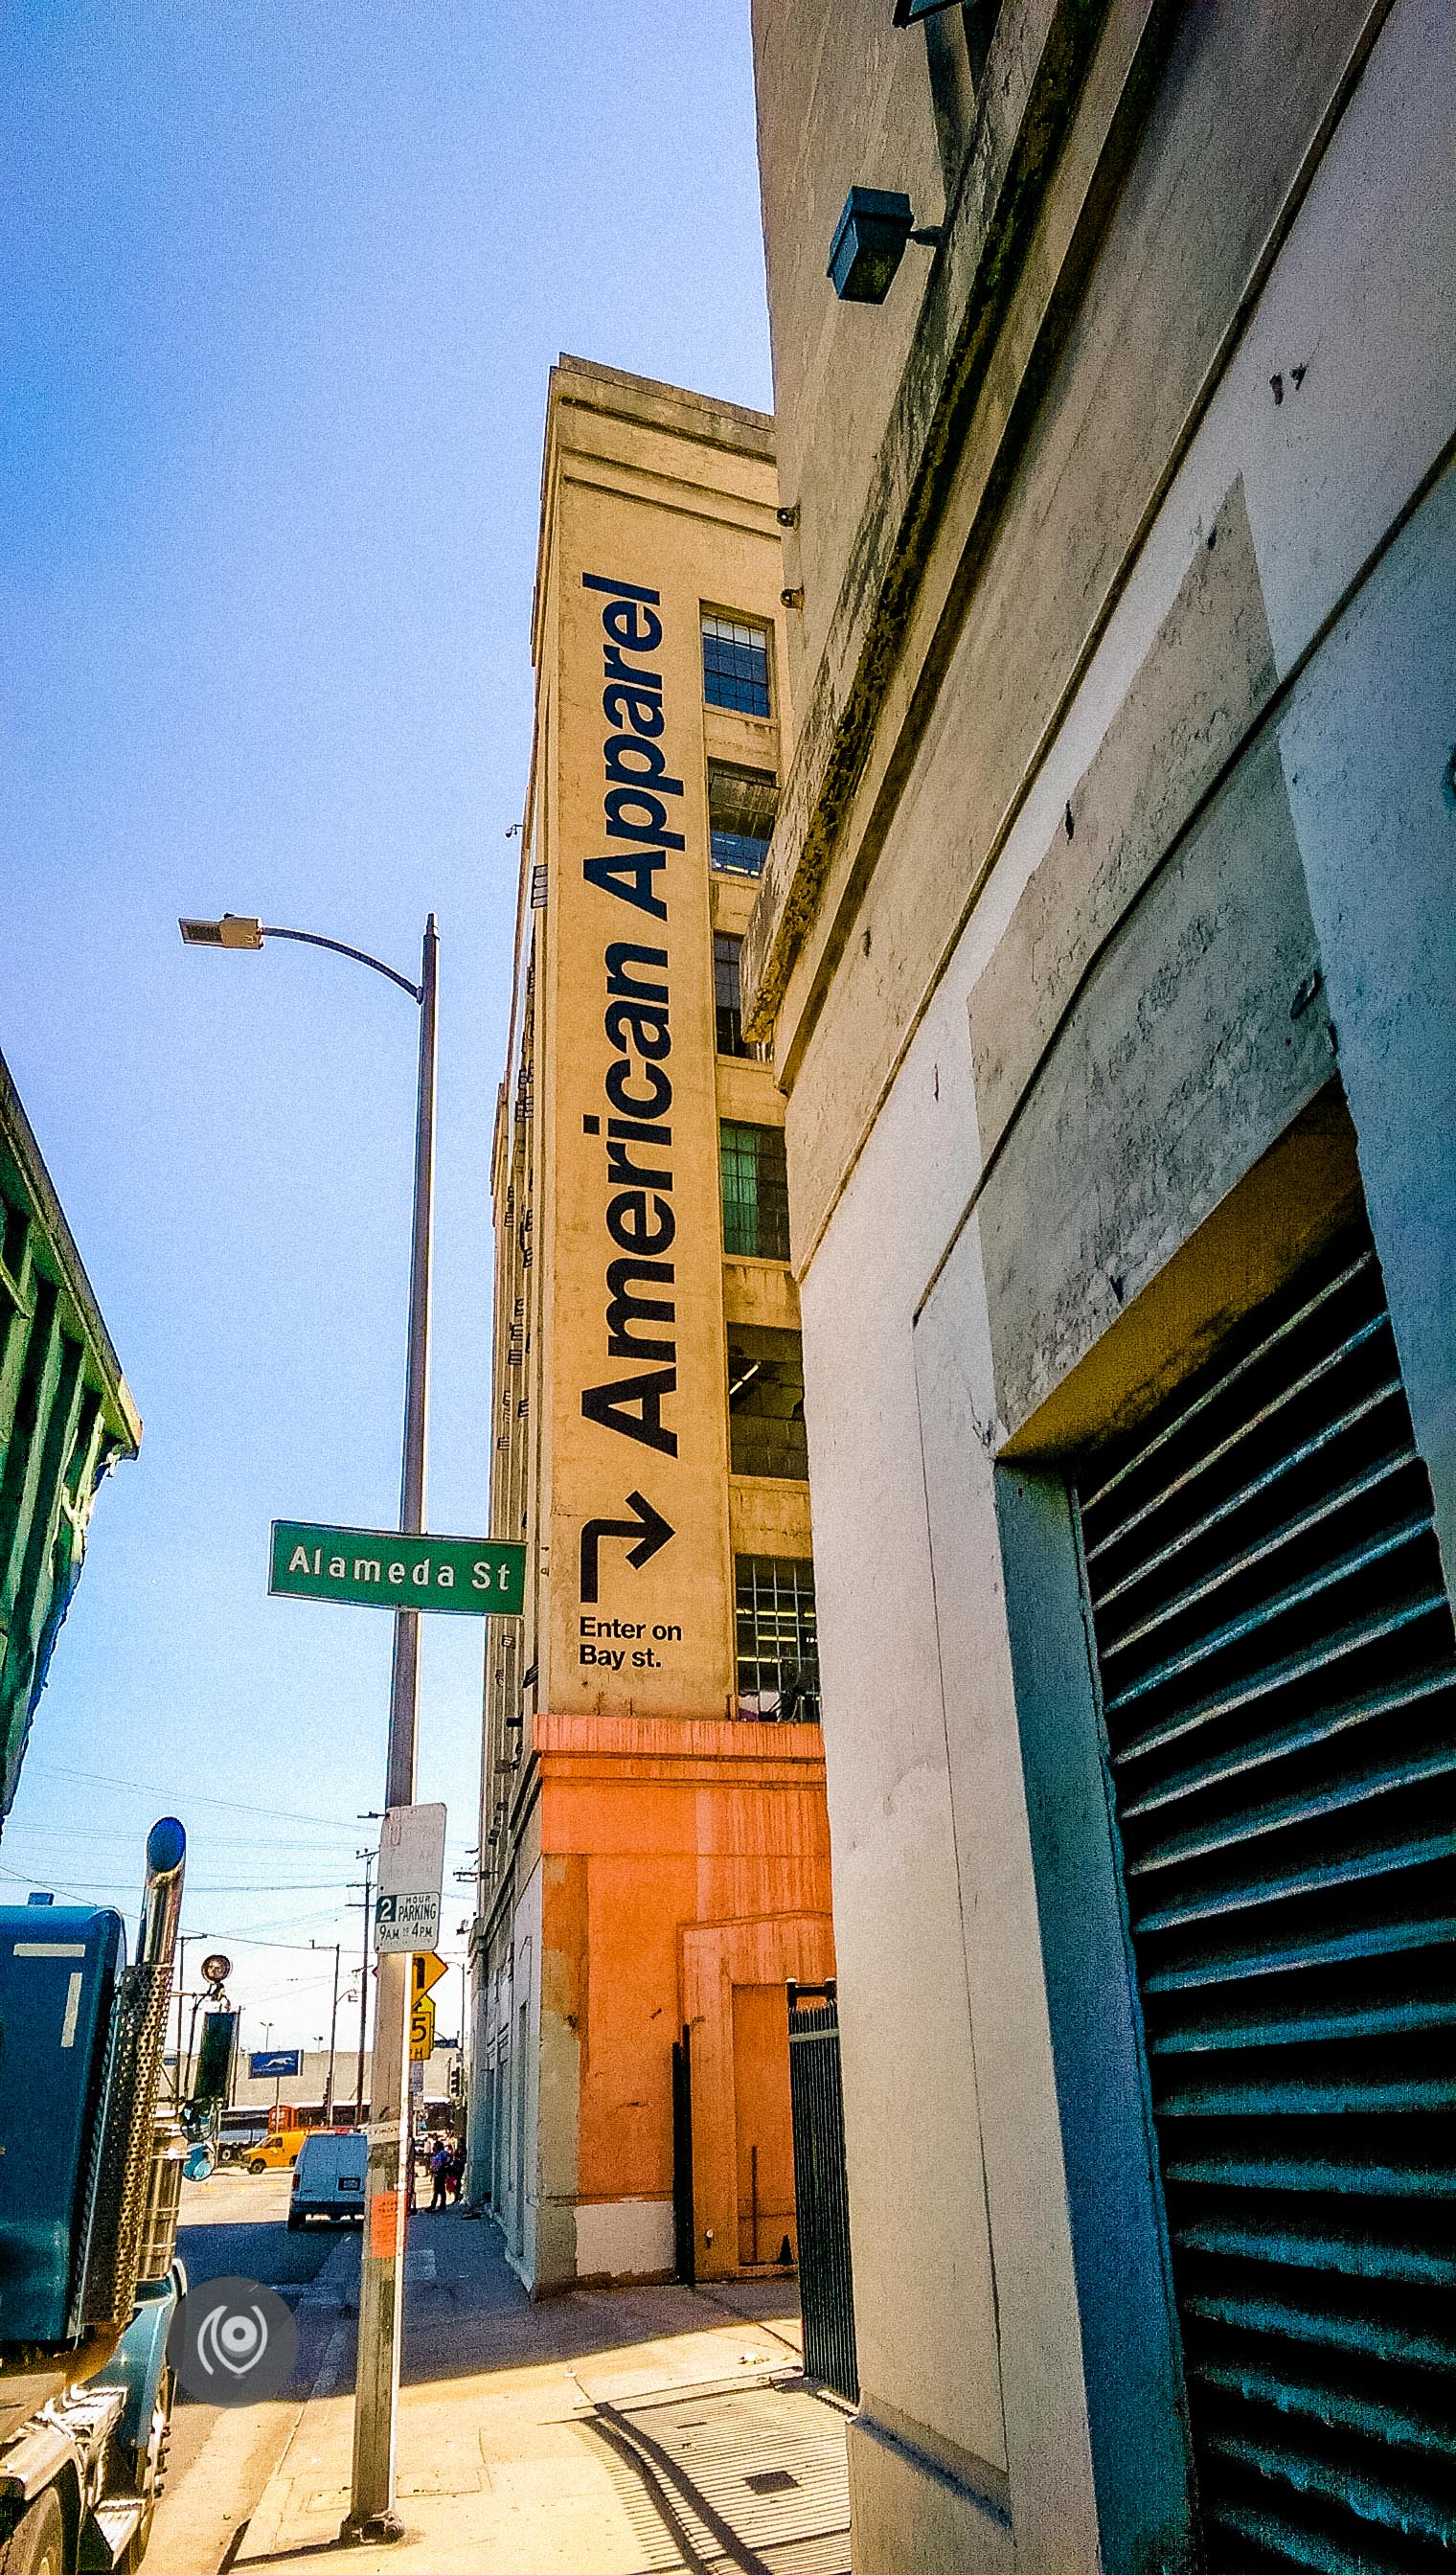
[(647, 1527)]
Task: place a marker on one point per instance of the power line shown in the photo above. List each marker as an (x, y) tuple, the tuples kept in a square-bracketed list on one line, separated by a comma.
[(218, 1837), (234, 1805), (252, 1886), (153, 1788)]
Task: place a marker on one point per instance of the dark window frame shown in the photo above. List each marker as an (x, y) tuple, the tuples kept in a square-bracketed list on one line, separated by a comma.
[(775, 1636), (754, 1188), (742, 796), (767, 1431), (728, 999), (733, 645)]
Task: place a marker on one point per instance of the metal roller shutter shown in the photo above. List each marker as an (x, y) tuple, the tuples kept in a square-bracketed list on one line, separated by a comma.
[(1278, 1681)]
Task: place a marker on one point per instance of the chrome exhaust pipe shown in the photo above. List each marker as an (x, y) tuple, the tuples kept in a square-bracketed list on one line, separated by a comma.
[(124, 2208), (162, 1896)]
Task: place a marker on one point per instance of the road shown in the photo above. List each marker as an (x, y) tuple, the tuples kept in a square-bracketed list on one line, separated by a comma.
[(221, 2458)]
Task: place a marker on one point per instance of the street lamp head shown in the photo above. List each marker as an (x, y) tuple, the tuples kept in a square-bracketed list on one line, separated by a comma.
[(234, 930)]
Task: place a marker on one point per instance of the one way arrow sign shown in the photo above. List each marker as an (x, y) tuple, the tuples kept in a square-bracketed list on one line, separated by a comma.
[(648, 1528)]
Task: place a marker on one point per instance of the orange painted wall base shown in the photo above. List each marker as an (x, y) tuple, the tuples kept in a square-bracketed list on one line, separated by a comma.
[(684, 1878)]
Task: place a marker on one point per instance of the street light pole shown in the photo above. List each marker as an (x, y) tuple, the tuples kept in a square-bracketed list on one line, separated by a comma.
[(371, 2514)]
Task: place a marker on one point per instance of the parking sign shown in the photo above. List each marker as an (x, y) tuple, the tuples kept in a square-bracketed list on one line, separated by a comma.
[(410, 1878)]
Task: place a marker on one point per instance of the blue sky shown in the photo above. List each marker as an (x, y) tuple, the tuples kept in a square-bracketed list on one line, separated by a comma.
[(282, 286)]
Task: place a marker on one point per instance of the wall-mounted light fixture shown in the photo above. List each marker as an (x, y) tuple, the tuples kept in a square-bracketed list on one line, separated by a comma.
[(869, 243)]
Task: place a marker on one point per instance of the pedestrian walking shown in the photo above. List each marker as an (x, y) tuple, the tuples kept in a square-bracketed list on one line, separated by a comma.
[(457, 2170), (440, 2176)]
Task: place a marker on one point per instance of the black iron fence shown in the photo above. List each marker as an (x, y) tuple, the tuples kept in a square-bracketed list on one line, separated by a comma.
[(685, 2242), (826, 2286)]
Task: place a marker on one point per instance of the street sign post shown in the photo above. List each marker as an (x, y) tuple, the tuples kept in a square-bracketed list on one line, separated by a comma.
[(411, 1878), (421, 2031), (476, 1577), (424, 1972)]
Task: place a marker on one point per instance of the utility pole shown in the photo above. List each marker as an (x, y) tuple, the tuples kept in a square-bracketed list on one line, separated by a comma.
[(368, 1860), (333, 2024), (371, 2514)]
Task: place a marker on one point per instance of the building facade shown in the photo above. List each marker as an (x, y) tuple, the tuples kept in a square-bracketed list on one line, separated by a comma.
[(66, 1418), (654, 1863), (1107, 951)]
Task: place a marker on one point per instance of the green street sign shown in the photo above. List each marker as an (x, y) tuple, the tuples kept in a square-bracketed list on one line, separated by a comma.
[(477, 1577)]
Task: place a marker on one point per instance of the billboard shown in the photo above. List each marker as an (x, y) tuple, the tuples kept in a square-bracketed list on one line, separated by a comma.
[(275, 2060)]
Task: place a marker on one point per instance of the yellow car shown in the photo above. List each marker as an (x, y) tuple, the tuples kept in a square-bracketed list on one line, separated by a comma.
[(278, 2152)]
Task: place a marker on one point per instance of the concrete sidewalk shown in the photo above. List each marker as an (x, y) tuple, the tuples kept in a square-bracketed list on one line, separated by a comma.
[(609, 2432)]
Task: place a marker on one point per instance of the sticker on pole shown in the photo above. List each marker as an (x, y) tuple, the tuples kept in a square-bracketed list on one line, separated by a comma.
[(410, 1878)]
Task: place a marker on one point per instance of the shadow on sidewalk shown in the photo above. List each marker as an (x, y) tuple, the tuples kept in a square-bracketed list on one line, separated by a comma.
[(642, 2430), (466, 2313)]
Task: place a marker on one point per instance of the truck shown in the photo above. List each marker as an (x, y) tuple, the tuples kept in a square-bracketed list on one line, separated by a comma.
[(90, 2188)]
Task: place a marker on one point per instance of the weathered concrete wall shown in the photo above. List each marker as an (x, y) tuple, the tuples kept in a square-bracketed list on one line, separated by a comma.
[(1369, 750), (1119, 837), (1047, 526), (925, 2274), (1196, 1038), (845, 103)]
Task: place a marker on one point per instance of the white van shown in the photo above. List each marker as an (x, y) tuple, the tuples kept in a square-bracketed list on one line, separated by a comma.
[(327, 2179)]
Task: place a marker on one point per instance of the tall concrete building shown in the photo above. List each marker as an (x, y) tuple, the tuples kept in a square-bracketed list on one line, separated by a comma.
[(655, 1854), (1108, 950)]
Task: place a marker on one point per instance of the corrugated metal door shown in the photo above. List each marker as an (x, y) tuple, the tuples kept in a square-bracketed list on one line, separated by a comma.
[(1278, 1680)]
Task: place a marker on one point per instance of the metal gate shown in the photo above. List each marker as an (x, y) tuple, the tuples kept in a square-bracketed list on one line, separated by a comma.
[(821, 2189), (685, 2225), (1278, 1681)]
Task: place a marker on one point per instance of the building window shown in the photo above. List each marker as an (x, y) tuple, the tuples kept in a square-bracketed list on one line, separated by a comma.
[(742, 803), (767, 1436), (755, 1192), (728, 997), (735, 665), (778, 1642)]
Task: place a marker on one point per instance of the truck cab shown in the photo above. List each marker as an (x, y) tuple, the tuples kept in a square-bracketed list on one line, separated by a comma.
[(90, 2184)]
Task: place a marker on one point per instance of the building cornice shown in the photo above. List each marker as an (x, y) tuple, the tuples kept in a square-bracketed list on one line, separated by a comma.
[(17, 1140), (1030, 97)]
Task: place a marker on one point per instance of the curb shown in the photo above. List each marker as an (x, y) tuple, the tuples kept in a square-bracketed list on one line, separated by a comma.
[(328, 2285), (325, 2294)]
